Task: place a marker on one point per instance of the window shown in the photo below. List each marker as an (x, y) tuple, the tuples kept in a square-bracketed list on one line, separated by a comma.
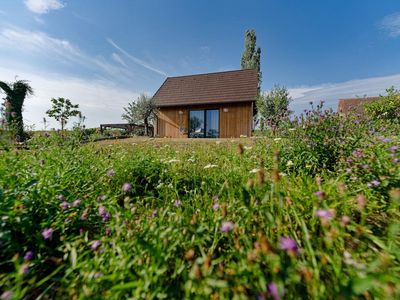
[(204, 123)]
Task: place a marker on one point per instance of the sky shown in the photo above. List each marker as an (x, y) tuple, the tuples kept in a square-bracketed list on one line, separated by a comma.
[(102, 54)]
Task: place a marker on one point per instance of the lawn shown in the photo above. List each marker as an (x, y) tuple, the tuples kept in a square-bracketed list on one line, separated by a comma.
[(263, 218)]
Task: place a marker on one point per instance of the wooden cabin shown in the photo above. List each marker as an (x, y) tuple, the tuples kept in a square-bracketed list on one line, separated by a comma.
[(213, 105)]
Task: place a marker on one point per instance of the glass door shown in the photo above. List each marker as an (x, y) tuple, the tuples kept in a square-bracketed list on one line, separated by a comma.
[(204, 123)]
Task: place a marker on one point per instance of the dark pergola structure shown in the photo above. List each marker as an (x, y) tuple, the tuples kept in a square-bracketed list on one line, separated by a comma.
[(128, 127)]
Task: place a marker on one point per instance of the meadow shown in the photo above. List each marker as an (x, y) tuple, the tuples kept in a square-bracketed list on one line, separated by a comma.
[(309, 212)]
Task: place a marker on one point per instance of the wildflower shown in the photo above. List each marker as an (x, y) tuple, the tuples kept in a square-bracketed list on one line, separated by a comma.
[(172, 161), (324, 214), (98, 274), (76, 203), (289, 245), (47, 233), (273, 290), (64, 205), (84, 216), (320, 194), (255, 170), (357, 153), (28, 255), (106, 216), (178, 203), (81, 231), (393, 148), (209, 166), (102, 210), (61, 197), (277, 139), (227, 226), (154, 213), (95, 245), (7, 295), (24, 269), (345, 220), (101, 198), (110, 173), (126, 187), (373, 183), (108, 231), (289, 163), (215, 198), (216, 206)]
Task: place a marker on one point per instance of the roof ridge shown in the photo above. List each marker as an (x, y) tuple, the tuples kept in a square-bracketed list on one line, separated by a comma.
[(211, 73)]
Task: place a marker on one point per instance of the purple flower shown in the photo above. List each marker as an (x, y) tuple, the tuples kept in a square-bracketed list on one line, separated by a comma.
[(47, 233), (126, 187), (64, 205), (102, 210), (215, 198), (106, 216), (178, 203), (216, 206), (273, 290), (393, 148), (76, 203), (320, 194), (24, 269), (289, 245), (81, 231), (95, 245), (110, 173), (28, 255), (61, 197), (324, 214), (226, 226), (357, 153), (84, 216)]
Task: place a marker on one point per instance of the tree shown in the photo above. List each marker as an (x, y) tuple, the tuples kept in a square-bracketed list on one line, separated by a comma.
[(251, 58), (62, 110), (274, 106), (387, 107), (15, 96), (142, 111)]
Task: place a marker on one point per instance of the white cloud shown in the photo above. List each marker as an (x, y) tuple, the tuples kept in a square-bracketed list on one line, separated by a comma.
[(43, 6), (39, 43), (391, 24), (332, 92), (135, 59), (100, 101), (118, 59)]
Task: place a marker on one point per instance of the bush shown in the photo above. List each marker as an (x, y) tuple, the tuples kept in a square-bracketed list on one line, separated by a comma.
[(387, 107)]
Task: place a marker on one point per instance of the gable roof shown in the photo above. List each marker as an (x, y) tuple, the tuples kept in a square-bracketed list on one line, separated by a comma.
[(221, 87), (355, 105)]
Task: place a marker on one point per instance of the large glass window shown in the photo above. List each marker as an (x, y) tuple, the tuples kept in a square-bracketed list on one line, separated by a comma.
[(204, 123)]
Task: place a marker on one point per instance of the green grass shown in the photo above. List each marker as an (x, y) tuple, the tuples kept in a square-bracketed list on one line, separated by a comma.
[(154, 247)]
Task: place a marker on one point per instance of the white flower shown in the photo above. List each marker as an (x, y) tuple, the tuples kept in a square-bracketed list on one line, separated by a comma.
[(277, 139), (209, 166), (171, 161), (255, 170), (292, 129), (289, 163), (247, 147)]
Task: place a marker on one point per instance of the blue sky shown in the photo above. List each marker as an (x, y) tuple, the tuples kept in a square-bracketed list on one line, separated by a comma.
[(102, 54)]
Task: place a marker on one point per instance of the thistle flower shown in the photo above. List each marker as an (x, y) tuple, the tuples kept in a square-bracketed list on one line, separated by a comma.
[(47, 233), (28, 255), (64, 205), (324, 214), (95, 245), (273, 290), (226, 226), (76, 203), (289, 245), (126, 188)]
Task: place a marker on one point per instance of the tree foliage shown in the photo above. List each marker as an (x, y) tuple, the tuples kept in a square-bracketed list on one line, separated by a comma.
[(387, 107), (143, 111), (273, 106), (62, 109), (15, 96), (251, 58)]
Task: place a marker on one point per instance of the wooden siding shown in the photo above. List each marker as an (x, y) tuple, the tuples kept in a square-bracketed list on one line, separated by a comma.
[(235, 119)]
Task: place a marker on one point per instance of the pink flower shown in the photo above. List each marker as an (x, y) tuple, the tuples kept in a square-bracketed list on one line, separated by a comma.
[(110, 173), (324, 214), (289, 245), (64, 205), (126, 187), (28, 255), (95, 245), (226, 226), (76, 203), (273, 290), (178, 203), (47, 233), (216, 206)]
